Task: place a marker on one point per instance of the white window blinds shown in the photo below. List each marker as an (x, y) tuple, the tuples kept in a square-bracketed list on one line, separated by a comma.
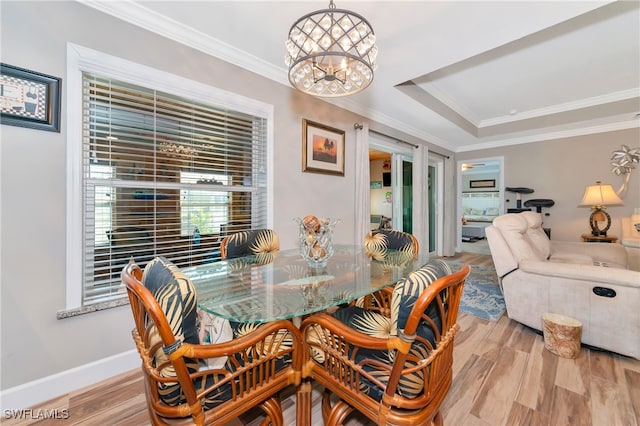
[(163, 176)]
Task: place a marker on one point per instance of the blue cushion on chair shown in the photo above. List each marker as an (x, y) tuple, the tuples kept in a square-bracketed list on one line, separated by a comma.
[(405, 294), (177, 297), (379, 241), (259, 242), (395, 240)]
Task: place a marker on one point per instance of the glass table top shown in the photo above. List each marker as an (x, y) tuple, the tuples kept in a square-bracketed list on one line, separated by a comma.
[(244, 290)]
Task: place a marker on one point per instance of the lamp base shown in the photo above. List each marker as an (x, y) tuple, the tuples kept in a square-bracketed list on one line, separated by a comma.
[(599, 215)]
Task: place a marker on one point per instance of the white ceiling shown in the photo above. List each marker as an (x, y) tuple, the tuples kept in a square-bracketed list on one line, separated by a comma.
[(462, 75)]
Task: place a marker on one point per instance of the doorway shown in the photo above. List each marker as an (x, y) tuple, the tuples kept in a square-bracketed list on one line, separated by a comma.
[(480, 198), (391, 183)]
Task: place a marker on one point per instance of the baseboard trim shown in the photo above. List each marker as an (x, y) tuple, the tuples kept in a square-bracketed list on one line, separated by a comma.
[(29, 394)]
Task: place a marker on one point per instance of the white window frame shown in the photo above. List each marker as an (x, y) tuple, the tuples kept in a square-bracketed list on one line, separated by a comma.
[(81, 59)]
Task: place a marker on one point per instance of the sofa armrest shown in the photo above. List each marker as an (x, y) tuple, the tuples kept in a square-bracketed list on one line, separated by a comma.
[(596, 274), (503, 259), (601, 252)]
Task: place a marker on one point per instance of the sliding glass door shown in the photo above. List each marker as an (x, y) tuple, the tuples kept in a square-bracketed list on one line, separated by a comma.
[(405, 187), (431, 194), (391, 171)]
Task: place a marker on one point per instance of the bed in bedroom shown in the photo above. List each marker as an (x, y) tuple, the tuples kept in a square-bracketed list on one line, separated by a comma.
[(479, 208), (474, 230)]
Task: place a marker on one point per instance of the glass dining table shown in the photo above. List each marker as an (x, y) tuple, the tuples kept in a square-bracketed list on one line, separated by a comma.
[(247, 290)]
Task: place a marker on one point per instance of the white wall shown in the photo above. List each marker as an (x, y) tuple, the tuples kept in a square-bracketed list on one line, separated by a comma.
[(35, 346), (560, 170)]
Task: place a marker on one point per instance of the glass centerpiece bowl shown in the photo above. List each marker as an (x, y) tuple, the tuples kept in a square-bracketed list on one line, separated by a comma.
[(316, 245)]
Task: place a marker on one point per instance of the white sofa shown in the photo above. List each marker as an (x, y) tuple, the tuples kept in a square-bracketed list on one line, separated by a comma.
[(585, 281), (631, 241)]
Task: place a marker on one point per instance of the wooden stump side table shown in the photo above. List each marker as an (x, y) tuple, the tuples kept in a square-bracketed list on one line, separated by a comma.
[(562, 335)]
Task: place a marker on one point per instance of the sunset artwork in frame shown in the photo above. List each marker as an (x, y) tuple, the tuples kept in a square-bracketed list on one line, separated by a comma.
[(322, 149)]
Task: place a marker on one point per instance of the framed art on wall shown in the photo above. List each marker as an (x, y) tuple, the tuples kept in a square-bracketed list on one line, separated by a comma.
[(484, 183), (322, 149), (29, 99)]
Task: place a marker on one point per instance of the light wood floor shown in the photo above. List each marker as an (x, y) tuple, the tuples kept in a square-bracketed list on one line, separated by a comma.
[(502, 376)]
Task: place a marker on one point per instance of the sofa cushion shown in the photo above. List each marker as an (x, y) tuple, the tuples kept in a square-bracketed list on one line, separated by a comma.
[(575, 258)]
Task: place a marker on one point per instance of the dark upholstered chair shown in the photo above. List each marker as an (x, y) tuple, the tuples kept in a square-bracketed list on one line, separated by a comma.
[(377, 244), (378, 241), (180, 384), (263, 243), (394, 370)]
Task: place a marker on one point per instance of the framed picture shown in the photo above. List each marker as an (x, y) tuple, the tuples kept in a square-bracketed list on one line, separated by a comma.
[(29, 99), (322, 149), (486, 183)]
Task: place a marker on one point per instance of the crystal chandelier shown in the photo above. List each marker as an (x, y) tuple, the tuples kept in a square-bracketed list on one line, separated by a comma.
[(331, 52)]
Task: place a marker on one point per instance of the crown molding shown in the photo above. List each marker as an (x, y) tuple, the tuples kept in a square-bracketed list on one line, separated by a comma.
[(610, 127), (139, 15), (381, 118), (434, 90), (439, 94), (567, 106)]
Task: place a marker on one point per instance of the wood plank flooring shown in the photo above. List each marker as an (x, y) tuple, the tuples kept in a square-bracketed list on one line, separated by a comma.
[(502, 376)]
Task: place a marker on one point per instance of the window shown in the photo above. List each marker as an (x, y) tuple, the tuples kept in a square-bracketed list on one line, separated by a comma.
[(163, 173), (103, 197), (203, 211)]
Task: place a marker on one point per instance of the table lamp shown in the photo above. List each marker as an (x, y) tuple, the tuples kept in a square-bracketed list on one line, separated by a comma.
[(598, 197)]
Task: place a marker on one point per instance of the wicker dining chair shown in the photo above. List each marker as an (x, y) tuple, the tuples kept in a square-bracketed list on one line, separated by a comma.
[(180, 386), (377, 244), (394, 370), (263, 243)]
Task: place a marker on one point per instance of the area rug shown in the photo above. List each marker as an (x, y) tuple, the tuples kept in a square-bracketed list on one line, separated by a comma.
[(482, 296)]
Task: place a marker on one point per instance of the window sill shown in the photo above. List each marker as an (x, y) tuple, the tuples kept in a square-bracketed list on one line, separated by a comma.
[(92, 308)]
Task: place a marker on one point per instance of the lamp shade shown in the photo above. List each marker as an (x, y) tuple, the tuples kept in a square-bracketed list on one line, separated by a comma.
[(600, 195)]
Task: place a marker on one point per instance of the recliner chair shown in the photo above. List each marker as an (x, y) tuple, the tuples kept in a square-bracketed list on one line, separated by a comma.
[(585, 281)]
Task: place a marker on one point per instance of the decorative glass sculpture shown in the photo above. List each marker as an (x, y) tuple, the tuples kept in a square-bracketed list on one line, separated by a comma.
[(316, 245)]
